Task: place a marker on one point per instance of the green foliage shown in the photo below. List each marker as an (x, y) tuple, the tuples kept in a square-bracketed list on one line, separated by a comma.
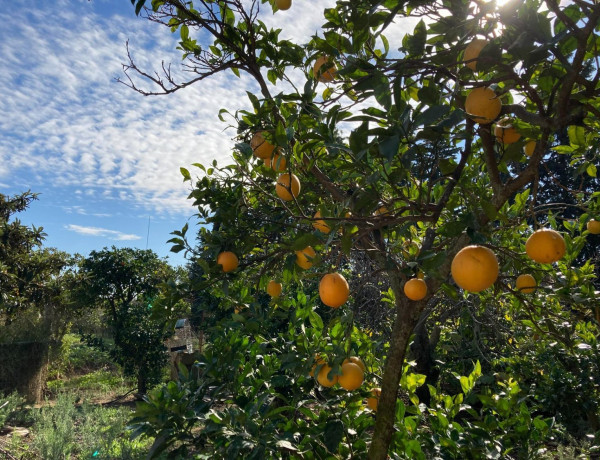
[(127, 283), (10, 405), (421, 180)]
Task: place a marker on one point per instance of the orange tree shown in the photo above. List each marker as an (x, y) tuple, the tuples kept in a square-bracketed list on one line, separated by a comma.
[(410, 151)]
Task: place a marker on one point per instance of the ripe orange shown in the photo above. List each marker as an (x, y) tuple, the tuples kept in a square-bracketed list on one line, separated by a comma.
[(283, 4), (286, 183), (260, 146), (276, 162), (482, 105), (329, 71), (304, 257), (352, 376), (373, 400), (381, 211), (334, 290), (274, 289), (593, 226), (526, 283), (320, 224), (228, 260), (529, 148), (472, 52), (545, 246), (474, 268), (505, 132), (323, 379), (356, 360), (415, 289)]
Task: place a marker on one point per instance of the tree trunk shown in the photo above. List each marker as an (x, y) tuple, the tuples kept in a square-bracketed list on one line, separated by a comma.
[(407, 317), (142, 384)]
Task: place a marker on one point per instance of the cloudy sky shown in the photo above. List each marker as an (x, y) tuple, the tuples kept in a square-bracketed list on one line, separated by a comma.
[(105, 159)]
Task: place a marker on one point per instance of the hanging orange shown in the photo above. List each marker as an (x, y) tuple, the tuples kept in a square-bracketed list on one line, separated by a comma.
[(334, 290)]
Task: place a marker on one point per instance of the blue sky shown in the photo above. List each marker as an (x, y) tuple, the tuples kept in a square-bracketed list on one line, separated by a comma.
[(105, 159)]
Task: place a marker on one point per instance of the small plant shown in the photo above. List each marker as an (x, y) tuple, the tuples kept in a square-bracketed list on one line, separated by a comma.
[(54, 429), (9, 406)]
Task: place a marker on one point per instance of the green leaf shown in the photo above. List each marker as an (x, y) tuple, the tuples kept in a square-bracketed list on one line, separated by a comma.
[(186, 174), (577, 136), (388, 147), (333, 435), (591, 170), (415, 43)]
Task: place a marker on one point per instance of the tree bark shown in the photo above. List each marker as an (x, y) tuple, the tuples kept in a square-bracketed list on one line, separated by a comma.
[(407, 316)]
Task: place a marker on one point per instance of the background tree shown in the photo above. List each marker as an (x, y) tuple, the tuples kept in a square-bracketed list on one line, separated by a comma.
[(417, 165), (126, 283), (35, 301)]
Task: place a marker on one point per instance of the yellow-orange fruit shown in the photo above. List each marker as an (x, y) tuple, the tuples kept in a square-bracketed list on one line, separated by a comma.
[(415, 289), (320, 224), (274, 288), (329, 71), (283, 4), (505, 132), (474, 268), (482, 105), (304, 257), (545, 246), (352, 376), (260, 146), (287, 183), (323, 379), (472, 52), (276, 162), (228, 260), (356, 360), (593, 226), (373, 400), (529, 148), (381, 211), (526, 283), (334, 290)]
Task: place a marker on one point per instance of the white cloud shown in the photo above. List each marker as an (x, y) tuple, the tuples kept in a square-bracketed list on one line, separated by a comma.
[(102, 232), (67, 122)]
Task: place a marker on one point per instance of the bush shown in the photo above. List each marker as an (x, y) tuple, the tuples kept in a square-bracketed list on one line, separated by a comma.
[(10, 408)]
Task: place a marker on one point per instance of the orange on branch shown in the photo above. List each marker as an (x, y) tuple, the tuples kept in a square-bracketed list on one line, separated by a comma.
[(323, 379), (545, 246), (328, 69), (356, 360), (526, 283), (304, 257), (320, 224), (474, 268), (472, 52), (505, 132), (274, 289), (277, 162), (529, 148), (228, 260), (415, 289), (373, 400), (482, 105), (287, 187), (593, 226), (261, 148), (352, 376), (334, 290)]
